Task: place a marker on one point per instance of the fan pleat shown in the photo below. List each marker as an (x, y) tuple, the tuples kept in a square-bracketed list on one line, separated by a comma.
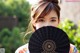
[(49, 35)]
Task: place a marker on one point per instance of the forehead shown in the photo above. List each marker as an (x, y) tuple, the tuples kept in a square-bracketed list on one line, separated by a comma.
[(51, 13)]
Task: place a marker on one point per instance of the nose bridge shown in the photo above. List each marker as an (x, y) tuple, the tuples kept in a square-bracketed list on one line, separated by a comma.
[(47, 23)]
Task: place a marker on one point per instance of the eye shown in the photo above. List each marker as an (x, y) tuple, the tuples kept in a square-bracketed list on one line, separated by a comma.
[(40, 20), (53, 20)]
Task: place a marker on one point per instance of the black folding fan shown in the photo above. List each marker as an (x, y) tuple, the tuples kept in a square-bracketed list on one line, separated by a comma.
[(49, 39)]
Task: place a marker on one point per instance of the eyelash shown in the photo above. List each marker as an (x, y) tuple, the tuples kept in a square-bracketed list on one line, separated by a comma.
[(41, 20), (53, 20)]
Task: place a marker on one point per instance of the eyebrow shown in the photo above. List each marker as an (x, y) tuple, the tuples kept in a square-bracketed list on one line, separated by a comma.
[(53, 17), (41, 18)]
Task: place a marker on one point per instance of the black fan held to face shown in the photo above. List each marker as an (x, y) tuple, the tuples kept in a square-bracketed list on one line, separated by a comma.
[(49, 39)]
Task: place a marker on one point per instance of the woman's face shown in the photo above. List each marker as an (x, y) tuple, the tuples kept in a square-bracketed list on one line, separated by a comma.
[(51, 19)]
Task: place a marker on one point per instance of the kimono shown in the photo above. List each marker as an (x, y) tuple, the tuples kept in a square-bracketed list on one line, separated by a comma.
[(24, 49)]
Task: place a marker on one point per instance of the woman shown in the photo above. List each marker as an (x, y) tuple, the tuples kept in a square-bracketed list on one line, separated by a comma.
[(45, 13)]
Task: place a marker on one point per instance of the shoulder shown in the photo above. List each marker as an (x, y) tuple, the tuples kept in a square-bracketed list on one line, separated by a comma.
[(73, 49), (23, 49)]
